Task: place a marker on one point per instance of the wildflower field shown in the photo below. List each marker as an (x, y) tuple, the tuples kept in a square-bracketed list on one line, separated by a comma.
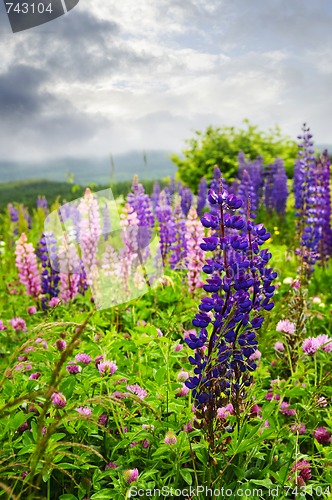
[(172, 345)]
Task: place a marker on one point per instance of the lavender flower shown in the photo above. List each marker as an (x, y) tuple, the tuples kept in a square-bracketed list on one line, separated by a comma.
[(275, 188), (179, 246), (90, 232), (166, 226), (47, 253)]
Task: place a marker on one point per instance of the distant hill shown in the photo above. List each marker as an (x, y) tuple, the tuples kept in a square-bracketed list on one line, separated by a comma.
[(27, 191), (149, 165)]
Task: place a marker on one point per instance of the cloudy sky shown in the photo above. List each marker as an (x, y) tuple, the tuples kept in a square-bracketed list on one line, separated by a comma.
[(133, 75)]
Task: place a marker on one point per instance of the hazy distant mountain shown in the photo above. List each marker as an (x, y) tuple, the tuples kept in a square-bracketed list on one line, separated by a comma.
[(148, 165)]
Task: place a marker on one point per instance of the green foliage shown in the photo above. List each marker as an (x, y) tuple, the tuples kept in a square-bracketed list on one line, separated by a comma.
[(220, 146)]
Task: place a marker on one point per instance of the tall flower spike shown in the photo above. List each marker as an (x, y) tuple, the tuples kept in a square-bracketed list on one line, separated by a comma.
[(47, 253), (140, 203), (70, 269), (26, 263), (201, 196), (90, 232), (179, 245), (186, 200), (240, 285), (195, 255), (166, 226)]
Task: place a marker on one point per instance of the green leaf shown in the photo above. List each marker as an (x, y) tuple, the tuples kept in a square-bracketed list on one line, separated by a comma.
[(102, 495), (185, 473), (67, 496)]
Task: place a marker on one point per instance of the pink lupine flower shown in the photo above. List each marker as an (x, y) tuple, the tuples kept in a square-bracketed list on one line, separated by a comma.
[(54, 301), (285, 326), (32, 310), (195, 255), (299, 428), (18, 324), (84, 410), (58, 400), (83, 358), (106, 368), (130, 475), (225, 411), (285, 410), (322, 435), (279, 346), (137, 390), (170, 438), (26, 263), (90, 232), (310, 345), (70, 268)]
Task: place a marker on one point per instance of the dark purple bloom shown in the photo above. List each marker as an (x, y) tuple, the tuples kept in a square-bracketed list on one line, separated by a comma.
[(240, 284), (201, 196)]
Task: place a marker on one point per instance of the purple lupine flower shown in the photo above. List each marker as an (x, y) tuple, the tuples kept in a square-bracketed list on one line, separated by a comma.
[(90, 232), (166, 226), (83, 358), (312, 195), (48, 255), (255, 171), (241, 289), (186, 200), (42, 203), (201, 196), (275, 188), (155, 196), (26, 263), (58, 400), (14, 216), (179, 246), (137, 390), (140, 203), (246, 192), (195, 255)]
